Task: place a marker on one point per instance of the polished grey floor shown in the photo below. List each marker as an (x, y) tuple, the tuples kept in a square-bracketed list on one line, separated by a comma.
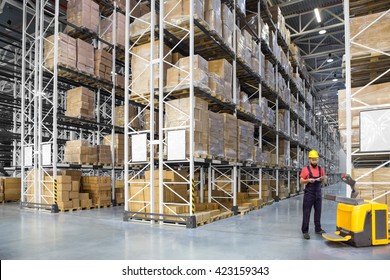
[(272, 232)]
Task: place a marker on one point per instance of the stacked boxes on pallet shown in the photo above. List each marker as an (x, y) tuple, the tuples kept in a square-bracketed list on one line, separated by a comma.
[(80, 103), (99, 189), (67, 54), (10, 189), (176, 12), (85, 57), (104, 154), (133, 119), (83, 13), (64, 192), (212, 15), (119, 191), (79, 151), (142, 24), (78, 199), (119, 143), (177, 115), (103, 64), (230, 130), (141, 68), (106, 28), (227, 25), (224, 70), (216, 139), (245, 141)]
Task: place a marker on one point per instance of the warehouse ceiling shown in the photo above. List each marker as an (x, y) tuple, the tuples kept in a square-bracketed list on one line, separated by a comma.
[(316, 49)]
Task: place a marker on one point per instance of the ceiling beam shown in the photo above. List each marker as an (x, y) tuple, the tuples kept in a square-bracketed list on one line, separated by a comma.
[(288, 3), (316, 30), (319, 54), (287, 16), (324, 70), (317, 36), (329, 82)]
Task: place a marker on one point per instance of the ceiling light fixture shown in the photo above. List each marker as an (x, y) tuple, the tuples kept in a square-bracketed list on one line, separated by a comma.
[(335, 78), (330, 59), (322, 31), (318, 16)]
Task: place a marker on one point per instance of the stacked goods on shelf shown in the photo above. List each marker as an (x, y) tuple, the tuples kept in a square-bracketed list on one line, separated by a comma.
[(179, 74), (177, 12), (286, 64), (103, 64), (174, 191), (79, 151), (78, 199), (66, 197), (145, 121), (243, 103), (119, 144), (283, 90), (282, 188), (85, 57), (120, 80), (119, 191), (269, 74), (230, 136), (212, 15), (280, 21), (67, 54), (104, 154), (141, 25), (284, 121), (284, 153), (107, 32), (222, 69), (216, 137), (309, 98), (298, 81), (177, 115), (369, 187), (253, 190), (98, 188), (293, 130), (293, 104), (83, 13), (141, 68), (227, 25), (245, 141), (80, 103), (257, 109), (268, 116), (273, 44), (374, 95), (10, 189), (133, 120), (296, 55)]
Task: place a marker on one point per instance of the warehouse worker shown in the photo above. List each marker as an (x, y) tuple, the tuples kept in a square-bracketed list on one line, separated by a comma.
[(312, 176)]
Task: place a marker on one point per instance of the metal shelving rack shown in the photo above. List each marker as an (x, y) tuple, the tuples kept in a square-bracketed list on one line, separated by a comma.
[(183, 38), (356, 158), (44, 127)]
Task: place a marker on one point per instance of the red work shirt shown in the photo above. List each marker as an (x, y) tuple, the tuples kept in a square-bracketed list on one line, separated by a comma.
[(314, 172)]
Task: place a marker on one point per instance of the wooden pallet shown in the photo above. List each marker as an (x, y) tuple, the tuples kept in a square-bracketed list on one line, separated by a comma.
[(82, 32), (243, 210), (81, 163), (69, 209), (10, 201), (97, 206)]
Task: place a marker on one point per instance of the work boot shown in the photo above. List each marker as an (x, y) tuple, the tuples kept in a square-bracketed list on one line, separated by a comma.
[(306, 235), (321, 231)]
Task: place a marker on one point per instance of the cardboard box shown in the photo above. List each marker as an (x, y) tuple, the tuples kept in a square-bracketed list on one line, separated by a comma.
[(80, 103), (107, 32), (83, 13), (75, 203), (67, 54), (230, 136), (65, 204), (216, 136), (85, 57), (75, 186)]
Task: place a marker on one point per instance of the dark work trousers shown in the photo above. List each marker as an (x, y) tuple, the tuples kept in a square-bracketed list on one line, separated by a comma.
[(312, 197)]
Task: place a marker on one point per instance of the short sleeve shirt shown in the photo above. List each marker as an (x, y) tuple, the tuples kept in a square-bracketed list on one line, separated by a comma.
[(314, 171)]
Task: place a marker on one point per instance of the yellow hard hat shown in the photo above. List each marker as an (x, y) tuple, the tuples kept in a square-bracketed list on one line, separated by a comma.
[(313, 154)]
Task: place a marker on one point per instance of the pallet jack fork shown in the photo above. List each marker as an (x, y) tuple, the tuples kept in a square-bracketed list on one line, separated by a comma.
[(359, 222)]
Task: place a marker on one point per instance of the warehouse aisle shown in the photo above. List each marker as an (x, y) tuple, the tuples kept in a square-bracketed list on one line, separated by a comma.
[(269, 233)]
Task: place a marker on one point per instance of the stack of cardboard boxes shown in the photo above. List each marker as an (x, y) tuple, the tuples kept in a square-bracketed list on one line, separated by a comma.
[(141, 68), (103, 64), (10, 189), (107, 32), (67, 54), (245, 143), (80, 103), (98, 188), (104, 154), (85, 57), (119, 142), (177, 11), (230, 136), (141, 25), (79, 151), (223, 69), (216, 139), (177, 115), (119, 191), (83, 13), (133, 117), (212, 15), (227, 25)]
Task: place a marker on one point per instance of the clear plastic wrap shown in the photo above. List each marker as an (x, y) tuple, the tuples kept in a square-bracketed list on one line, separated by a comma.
[(230, 136), (142, 25), (245, 141)]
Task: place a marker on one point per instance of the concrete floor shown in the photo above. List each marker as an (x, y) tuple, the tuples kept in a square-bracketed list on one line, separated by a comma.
[(272, 232)]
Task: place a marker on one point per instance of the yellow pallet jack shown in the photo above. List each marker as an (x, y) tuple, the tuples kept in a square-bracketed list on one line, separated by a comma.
[(359, 222)]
